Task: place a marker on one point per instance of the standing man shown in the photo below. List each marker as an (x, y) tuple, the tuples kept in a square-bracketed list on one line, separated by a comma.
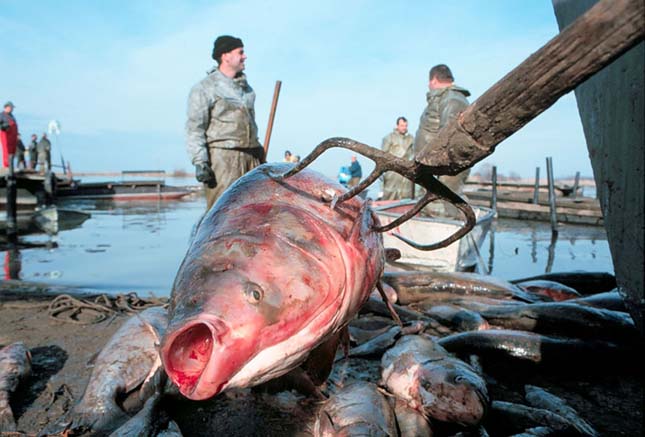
[(398, 143), (33, 146), (355, 173), (8, 133), (221, 134), (44, 148), (445, 101)]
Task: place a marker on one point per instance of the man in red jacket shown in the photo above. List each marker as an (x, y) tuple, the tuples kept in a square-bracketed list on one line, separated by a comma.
[(8, 133)]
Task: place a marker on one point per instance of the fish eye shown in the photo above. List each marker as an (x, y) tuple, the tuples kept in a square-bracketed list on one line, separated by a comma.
[(459, 379), (254, 293)]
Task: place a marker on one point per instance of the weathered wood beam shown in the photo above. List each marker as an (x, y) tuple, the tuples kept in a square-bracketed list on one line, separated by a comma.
[(590, 43)]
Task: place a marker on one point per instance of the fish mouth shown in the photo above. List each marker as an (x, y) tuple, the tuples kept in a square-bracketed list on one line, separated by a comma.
[(187, 354)]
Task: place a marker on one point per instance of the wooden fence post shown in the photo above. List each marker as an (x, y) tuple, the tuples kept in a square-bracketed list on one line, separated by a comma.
[(493, 199), (549, 175), (576, 182), (536, 190)]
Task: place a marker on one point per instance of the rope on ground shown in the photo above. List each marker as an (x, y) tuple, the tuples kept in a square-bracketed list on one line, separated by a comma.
[(67, 308)]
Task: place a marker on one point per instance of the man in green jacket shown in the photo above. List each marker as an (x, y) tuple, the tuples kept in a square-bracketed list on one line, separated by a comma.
[(445, 101), (398, 143)]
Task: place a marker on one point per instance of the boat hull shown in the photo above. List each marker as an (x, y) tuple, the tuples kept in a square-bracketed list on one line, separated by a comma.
[(462, 255)]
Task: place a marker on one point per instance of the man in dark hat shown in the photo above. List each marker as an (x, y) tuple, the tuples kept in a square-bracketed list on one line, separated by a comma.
[(8, 133), (445, 101), (221, 133)]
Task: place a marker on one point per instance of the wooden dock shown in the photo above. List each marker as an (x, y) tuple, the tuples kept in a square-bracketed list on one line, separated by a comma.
[(518, 204)]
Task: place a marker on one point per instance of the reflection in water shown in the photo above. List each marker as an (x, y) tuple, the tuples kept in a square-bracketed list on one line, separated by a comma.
[(491, 246), (549, 262), (128, 246), (12, 264), (518, 247)]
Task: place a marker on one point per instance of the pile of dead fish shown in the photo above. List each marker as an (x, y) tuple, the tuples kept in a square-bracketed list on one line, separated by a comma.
[(436, 381), (433, 368)]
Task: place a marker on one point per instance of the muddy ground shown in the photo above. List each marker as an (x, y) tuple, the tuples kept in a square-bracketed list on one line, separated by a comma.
[(612, 402)]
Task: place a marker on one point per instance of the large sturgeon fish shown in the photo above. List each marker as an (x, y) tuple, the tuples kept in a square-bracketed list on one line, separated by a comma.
[(272, 272)]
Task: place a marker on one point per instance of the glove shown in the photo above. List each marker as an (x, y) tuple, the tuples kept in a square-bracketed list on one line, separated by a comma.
[(205, 174)]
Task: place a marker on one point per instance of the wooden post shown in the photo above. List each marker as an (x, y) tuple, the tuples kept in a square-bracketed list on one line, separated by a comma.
[(549, 175), (12, 200), (536, 190), (274, 104), (576, 182), (590, 43), (493, 199)]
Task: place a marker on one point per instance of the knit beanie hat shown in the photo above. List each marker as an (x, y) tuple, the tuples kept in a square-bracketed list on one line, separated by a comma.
[(224, 44)]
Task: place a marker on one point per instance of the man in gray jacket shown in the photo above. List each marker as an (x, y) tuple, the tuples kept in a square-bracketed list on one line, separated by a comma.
[(445, 101), (221, 134), (398, 143)]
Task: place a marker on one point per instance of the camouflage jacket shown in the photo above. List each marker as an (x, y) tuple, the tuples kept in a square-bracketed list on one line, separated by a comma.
[(220, 114), (399, 145), (443, 105)]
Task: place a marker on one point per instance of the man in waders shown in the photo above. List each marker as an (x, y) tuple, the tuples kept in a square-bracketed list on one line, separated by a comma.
[(398, 143), (221, 133)]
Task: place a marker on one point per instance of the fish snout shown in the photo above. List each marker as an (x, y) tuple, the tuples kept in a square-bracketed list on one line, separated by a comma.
[(187, 350)]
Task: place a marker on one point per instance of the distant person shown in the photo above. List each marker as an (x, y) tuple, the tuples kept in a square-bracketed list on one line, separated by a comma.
[(355, 173), (398, 143), (20, 154), (33, 153), (344, 176), (221, 133), (296, 158), (445, 101), (287, 156), (8, 133), (44, 148)]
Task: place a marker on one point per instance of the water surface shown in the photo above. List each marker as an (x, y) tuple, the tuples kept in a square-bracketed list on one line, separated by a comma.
[(138, 246)]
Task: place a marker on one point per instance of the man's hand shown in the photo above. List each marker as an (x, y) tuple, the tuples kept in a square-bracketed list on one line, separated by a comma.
[(205, 174)]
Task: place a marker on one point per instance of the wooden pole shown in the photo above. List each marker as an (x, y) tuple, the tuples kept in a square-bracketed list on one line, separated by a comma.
[(536, 190), (274, 105), (590, 43), (493, 199), (549, 175), (576, 182)]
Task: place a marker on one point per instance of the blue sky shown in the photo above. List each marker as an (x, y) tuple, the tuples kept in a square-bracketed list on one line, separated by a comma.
[(116, 74)]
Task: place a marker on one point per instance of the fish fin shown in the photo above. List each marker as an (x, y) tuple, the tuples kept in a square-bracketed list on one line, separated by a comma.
[(95, 420), (321, 360), (387, 302)]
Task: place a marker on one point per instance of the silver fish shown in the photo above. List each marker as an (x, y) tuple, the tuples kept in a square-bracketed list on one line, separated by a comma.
[(432, 381), (129, 359), (358, 409), (540, 398), (15, 365)]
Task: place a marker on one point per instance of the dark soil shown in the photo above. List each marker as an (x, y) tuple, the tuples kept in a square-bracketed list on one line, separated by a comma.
[(611, 402)]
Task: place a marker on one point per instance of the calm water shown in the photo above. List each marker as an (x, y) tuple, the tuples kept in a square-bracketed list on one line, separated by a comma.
[(139, 246)]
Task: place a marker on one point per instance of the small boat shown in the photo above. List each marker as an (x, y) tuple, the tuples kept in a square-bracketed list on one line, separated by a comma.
[(49, 219), (462, 255), (121, 190)]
